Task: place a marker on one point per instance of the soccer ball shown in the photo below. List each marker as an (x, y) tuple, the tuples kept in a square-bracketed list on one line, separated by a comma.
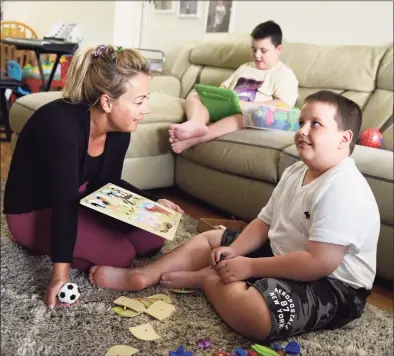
[(69, 293)]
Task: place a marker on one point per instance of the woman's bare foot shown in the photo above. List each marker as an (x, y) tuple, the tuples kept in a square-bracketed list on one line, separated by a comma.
[(180, 146), (189, 129), (118, 278), (179, 280)]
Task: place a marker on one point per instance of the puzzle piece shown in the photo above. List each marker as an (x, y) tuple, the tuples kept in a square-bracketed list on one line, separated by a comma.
[(164, 297), (121, 350), (160, 310), (123, 311), (144, 332), (130, 303)]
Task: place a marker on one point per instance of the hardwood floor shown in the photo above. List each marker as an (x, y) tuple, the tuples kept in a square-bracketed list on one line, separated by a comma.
[(382, 294)]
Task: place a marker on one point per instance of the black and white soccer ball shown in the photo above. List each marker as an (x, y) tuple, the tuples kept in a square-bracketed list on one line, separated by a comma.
[(69, 293)]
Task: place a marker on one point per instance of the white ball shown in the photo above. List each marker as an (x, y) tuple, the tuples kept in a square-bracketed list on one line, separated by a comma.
[(69, 293)]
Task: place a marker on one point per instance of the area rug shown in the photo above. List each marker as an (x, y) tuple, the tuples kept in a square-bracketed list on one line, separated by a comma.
[(90, 327)]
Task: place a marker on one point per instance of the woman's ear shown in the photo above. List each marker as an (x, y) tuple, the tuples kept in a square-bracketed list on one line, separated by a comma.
[(105, 102)]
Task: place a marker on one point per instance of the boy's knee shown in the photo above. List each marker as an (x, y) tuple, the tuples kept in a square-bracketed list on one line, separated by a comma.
[(214, 238)]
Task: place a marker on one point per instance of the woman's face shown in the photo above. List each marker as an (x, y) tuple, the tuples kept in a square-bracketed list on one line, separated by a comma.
[(130, 108)]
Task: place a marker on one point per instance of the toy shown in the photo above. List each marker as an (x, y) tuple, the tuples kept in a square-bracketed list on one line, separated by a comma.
[(204, 344), (270, 117), (293, 348), (180, 352), (252, 353), (371, 138), (69, 293), (264, 351), (220, 353), (240, 352)]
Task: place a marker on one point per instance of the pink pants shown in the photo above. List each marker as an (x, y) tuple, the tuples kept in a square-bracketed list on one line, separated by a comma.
[(101, 240)]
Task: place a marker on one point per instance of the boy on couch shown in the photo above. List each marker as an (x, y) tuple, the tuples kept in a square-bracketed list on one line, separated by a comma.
[(265, 80), (307, 262)]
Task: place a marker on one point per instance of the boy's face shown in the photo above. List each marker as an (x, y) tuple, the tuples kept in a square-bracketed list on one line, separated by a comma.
[(265, 55), (320, 143)]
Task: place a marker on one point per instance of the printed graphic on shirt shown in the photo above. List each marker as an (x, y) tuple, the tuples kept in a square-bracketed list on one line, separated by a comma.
[(246, 89), (284, 308)]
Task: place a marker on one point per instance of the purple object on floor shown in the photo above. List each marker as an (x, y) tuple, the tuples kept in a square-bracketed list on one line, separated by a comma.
[(180, 352), (204, 344)]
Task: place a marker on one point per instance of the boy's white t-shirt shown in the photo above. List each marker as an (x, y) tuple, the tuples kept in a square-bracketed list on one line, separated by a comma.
[(259, 85), (337, 208)]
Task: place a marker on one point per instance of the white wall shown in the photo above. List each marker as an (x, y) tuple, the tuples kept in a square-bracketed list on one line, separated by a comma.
[(119, 22), (94, 18), (320, 22)]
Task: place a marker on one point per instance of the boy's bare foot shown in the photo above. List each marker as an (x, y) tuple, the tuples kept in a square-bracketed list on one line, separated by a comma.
[(171, 133), (118, 278), (180, 146), (189, 129), (179, 280)]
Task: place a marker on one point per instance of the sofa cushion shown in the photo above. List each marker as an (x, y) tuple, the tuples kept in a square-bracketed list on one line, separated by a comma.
[(328, 66), (385, 73), (248, 153), (378, 110), (164, 108)]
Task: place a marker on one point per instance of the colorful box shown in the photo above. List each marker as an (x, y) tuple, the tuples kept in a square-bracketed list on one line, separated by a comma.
[(271, 118), (206, 224)]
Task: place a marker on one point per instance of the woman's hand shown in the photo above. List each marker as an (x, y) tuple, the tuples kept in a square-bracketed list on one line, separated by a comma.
[(60, 275), (222, 253), (52, 291), (171, 205)]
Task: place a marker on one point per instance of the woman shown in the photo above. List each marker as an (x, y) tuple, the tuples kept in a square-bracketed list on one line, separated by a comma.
[(69, 148)]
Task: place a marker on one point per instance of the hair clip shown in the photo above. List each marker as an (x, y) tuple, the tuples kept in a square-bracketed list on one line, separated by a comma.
[(119, 49), (99, 51)]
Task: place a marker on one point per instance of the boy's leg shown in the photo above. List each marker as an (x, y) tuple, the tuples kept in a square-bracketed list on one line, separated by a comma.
[(197, 116), (219, 128), (243, 308), (193, 255)]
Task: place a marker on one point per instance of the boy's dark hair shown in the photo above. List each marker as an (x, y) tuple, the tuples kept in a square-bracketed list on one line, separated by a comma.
[(348, 116), (268, 29)]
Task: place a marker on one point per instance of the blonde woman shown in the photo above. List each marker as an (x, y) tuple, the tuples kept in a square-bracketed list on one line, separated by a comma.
[(69, 148)]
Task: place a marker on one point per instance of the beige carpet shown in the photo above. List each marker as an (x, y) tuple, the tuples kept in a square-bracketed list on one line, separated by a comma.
[(90, 327)]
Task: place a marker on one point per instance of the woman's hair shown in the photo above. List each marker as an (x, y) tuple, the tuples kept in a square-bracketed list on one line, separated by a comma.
[(102, 70)]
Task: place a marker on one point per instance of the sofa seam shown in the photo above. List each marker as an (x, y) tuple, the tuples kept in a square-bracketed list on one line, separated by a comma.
[(26, 107)]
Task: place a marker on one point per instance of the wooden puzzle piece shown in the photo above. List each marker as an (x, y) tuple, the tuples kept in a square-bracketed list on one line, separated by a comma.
[(144, 332), (160, 310), (123, 311), (164, 297), (130, 303), (121, 350), (182, 290)]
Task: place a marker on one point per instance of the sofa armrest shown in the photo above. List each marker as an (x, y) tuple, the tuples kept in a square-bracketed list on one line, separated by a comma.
[(165, 84), (164, 109)]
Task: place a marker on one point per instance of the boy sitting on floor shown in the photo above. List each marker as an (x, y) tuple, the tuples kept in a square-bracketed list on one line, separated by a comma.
[(307, 262), (265, 80)]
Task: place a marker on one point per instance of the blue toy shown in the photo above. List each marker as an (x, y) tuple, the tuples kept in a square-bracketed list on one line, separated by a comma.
[(240, 352), (15, 72), (180, 352), (293, 348)]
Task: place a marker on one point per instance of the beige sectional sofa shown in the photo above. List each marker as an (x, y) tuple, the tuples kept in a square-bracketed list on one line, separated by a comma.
[(238, 172)]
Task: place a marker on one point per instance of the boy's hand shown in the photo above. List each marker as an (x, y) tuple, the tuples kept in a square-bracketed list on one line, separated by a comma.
[(222, 253), (234, 269)]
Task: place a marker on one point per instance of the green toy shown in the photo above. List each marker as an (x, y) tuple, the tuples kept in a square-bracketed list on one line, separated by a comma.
[(264, 351), (220, 102)]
